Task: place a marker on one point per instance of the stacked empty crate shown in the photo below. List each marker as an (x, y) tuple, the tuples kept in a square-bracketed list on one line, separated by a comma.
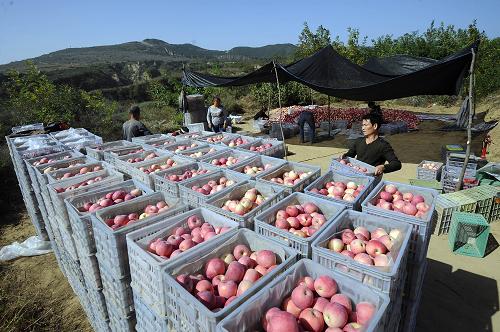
[(111, 253), (453, 169), (418, 244)]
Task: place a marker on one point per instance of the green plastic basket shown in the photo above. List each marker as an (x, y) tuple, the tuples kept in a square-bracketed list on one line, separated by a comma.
[(469, 234)]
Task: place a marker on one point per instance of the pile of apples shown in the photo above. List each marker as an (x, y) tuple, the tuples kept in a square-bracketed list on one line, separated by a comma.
[(158, 167), (215, 139), (162, 143), (254, 170), (291, 178), (315, 305), (365, 247), (125, 153), (125, 219), (184, 238), (111, 198), (46, 160), (186, 175), (213, 186), (54, 168), (83, 170), (250, 200), (181, 148), (300, 220), (225, 162), (237, 142), (200, 154), (340, 190), (138, 160), (360, 169), (261, 148), (229, 276), (431, 166), (392, 199), (78, 185)]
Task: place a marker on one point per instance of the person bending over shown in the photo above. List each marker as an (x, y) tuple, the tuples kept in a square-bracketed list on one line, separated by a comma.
[(133, 127), (373, 149)]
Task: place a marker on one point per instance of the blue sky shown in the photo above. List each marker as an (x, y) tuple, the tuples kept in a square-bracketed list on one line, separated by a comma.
[(32, 28)]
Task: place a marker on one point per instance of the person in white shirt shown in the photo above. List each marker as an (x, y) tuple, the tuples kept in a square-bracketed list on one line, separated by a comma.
[(216, 116)]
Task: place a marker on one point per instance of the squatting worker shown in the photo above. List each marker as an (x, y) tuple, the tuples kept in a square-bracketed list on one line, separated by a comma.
[(306, 117), (373, 149), (216, 116), (133, 127)]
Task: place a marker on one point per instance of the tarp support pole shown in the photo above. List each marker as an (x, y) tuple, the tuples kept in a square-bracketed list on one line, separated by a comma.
[(469, 125), (281, 110)]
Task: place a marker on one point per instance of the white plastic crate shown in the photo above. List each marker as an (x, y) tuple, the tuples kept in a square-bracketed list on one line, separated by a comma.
[(111, 155), (57, 175), (97, 303), (121, 162), (240, 155), (111, 244), (196, 199), (342, 177), (90, 269), (388, 280), (195, 135), (158, 142), (273, 195), (422, 227), (135, 172), (146, 267), (171, 188), (206, 152), (147, 320), (218, 137), (143, 139), (429, 174), (259, 161), (248, 316), (42, 171), (191, 144), (226, 141), (117, 294), (289, 166), (119, 322), (265, 220), (277, 150), (192, 315), (81, 223), (96, 151), (59, 156)]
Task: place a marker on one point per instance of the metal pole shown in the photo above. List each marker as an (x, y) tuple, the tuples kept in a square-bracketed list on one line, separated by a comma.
[(469, 125), (281, 109)]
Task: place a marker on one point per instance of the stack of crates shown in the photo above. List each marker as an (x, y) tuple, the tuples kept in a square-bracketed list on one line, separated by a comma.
[(446, 204), (493, 191), (451, 173), (468, 234), (112, 257)]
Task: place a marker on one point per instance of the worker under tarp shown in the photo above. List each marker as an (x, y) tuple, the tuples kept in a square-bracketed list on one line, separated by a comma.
[(328, 72)]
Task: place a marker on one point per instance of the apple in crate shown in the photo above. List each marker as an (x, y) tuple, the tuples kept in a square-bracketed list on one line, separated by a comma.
[(237, 142), (213, 186), (78, 185), (300, 220), (347, 191), (186, 175), (123, 220), (403, 202), (250, 200), (360, 169), (154, 168), (111, 198), (291, 178), (261, 148)]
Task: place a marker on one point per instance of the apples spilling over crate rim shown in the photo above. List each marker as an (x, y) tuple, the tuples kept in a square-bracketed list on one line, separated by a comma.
[(291, 178), (150, 156), (316, 305), (213, 186), (183, 238), (404, 202), (109, 199), (254, 170), (347, 191), (365, 247), (250, 200), (225, 278), (46, 160), (82, 171), (78, 185), (188, 174), (126, 219), (154, 168), (302, 220), (199, 154)]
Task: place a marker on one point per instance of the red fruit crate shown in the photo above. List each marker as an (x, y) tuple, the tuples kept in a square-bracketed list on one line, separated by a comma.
[(111, 244), (171, 188), (248, 316), (339, 177), (291, 166), (188, 314), (264, 222), (146, 267), (196, 199)]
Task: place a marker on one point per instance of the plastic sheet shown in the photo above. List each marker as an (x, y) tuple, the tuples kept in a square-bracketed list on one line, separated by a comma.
[(33, 246)]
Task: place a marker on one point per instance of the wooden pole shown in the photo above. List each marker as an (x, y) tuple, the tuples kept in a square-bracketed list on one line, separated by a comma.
[(469, 125), (329, 118), (281, 110)]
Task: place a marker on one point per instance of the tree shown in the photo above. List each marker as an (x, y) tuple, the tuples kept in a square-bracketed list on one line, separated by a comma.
[(310, 42)]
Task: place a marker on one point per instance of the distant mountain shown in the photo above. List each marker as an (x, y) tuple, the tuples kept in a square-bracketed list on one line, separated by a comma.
[(147, 50)]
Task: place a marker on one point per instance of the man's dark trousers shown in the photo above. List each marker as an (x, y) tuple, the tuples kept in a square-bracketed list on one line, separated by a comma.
[(306, 117)]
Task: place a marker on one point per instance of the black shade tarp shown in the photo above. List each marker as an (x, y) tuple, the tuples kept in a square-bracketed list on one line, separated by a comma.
[(328, 72)]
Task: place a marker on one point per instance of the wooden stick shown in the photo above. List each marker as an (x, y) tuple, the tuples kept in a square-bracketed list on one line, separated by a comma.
[(281, 110), (469, 125)]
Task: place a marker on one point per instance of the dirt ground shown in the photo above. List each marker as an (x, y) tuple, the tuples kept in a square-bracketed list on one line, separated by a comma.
[(460, 293)]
